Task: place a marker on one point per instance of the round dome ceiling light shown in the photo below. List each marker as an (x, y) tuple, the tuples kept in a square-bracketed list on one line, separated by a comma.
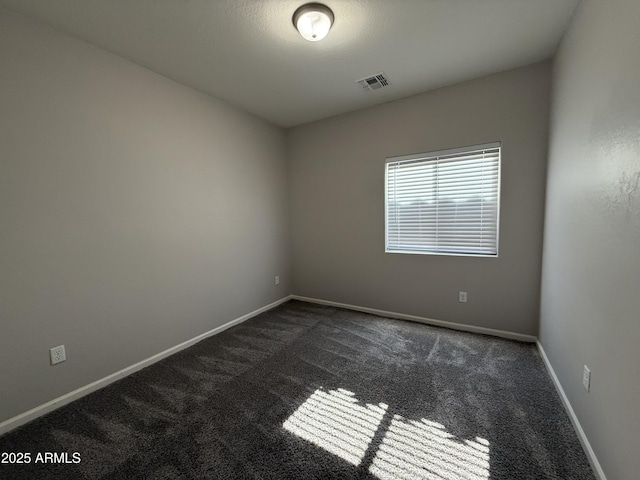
[(313, 21)]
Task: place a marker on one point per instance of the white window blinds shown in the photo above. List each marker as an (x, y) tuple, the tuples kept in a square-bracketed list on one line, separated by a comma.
[(444, 202)]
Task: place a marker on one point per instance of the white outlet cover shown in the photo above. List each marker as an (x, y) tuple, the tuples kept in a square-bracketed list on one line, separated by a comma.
[(462, 297), (586, 378), (57, 354)]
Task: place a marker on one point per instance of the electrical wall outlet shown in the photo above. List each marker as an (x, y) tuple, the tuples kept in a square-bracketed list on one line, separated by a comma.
[(586, 378), (57, 354), (462, 297), (277, 280)]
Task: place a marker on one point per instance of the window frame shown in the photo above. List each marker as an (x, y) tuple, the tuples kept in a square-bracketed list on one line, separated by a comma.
[(433, 156)]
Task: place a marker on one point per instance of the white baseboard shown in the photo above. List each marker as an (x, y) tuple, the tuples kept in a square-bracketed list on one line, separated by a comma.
[(429, 321), (40, 410), (591, 456)]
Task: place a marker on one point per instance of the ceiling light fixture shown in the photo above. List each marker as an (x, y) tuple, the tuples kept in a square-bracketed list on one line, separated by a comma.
[(313, 21)]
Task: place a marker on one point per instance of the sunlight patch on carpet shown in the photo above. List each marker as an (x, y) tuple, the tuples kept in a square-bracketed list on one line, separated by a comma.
[(336, 421), (425, 450), (410, 449)]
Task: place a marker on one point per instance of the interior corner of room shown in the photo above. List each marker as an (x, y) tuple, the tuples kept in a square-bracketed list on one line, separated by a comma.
[(139, 213)]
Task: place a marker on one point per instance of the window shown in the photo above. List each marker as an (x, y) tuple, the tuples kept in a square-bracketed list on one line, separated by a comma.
[(444, 202)]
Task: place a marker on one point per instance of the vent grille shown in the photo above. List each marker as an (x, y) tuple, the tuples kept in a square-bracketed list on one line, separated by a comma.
[(374, 82)]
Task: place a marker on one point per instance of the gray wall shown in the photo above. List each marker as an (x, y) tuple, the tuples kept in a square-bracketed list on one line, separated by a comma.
[(590, 311), (135, 213), (336, 175)]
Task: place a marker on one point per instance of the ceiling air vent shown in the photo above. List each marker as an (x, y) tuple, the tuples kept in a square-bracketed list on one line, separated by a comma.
[(373, 82)]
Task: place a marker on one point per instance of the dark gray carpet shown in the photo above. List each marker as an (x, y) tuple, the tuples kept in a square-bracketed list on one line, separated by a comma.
[(306, 391)]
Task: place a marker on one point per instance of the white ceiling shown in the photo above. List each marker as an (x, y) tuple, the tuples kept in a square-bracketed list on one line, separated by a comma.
[(248, 53)]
